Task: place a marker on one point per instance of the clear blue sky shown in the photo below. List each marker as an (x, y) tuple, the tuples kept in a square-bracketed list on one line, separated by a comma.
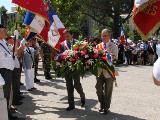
[(7, 4)]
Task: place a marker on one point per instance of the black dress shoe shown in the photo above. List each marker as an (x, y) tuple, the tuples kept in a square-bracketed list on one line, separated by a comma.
[(13, 109), (29, 90), (33, 88), (18, 103), (101, 110), (82, 103), (16, 118), (21, 97), (106, 112), (21, 93), (70, 108), (48, 77), (36, 80), (13, 117), (21, 84)]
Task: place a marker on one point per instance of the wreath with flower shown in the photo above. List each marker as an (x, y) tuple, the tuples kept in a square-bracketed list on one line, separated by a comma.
[(81, 58)]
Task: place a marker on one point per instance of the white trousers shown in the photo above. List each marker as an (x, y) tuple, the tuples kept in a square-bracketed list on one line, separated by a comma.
[(29, 78)]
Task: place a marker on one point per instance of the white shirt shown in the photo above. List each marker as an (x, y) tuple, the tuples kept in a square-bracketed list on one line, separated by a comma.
[(113, 49), (28, 58), (6, 60), (156, 70), (16, 61)]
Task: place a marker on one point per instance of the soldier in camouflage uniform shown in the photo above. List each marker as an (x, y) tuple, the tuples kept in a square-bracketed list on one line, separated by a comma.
[(46, 58), (36, 47)]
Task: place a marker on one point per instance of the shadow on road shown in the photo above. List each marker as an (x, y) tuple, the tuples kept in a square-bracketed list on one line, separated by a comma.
[(80, 114), (31, 108), (53, 83)]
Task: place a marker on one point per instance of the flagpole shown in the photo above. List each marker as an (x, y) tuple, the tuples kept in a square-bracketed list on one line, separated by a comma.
[(15, 34)]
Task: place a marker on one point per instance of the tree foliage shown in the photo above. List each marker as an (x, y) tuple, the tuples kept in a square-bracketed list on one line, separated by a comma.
[(104, 12), (3, 13)]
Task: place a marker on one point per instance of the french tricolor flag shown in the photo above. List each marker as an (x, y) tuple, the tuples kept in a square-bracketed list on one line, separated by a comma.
[(122, 37), (37, 24), (55, 34), (51, 32), (30, 33)]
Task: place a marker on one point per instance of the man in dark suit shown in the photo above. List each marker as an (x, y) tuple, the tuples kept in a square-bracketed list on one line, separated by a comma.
[(72, 78)]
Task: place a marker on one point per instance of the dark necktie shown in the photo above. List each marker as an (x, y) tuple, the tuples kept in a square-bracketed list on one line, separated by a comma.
[(105, 46), (69, 44)]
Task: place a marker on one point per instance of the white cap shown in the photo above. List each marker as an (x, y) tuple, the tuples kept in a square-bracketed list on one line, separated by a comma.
[(16, 33)]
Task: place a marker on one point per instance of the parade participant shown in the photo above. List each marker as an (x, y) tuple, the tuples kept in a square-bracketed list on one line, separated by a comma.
[(36, 47), (46, 59), (121, 53), (16, 77), (72, 79), (104, 85), (145, 52), (135, 55), (6, 68), (28, 65), (151, 53), (156, 72), (128, 54)]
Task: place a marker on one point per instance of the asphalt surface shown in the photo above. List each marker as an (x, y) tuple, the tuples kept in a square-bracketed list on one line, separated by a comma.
[(135, 98)]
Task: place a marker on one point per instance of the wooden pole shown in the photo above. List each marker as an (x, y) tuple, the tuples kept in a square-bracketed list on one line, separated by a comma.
[(15, 35)]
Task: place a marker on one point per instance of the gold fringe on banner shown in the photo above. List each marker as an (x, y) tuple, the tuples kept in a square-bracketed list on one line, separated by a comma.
[(140, 9)]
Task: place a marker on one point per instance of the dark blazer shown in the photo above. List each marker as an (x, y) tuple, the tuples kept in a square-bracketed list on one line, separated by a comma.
[(63, 46)]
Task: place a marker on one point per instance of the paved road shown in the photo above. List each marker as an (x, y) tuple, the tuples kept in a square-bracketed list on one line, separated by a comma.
[(135, 98)]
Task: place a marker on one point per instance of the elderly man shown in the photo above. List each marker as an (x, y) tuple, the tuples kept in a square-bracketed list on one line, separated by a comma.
[(105, 81)]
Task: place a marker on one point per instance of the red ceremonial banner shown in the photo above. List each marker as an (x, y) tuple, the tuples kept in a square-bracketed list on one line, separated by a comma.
[(37, 7), (147, 18)]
